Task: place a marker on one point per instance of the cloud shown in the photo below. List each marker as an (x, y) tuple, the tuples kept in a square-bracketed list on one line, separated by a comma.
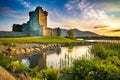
[(88, 17), (5, 11), (117, 30), (109, 6), (58, 19), (69, 7), (88, 12), (25, 3), (100, 27)]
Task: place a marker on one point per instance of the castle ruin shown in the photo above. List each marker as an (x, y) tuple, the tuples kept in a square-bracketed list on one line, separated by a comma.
[(37, 24)]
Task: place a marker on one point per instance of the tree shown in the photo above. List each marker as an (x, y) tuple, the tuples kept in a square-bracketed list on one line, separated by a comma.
[(70, 34)]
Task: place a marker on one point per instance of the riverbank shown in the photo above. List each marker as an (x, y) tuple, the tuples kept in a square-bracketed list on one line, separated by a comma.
[(17, 46), (29, 49)]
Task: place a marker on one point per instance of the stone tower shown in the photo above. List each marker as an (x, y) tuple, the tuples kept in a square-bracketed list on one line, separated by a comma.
[(43, 19), (37, 24)]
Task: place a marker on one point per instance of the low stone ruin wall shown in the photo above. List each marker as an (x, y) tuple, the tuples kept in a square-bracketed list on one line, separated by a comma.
[(12, 51), (16, 34), (12, 34)]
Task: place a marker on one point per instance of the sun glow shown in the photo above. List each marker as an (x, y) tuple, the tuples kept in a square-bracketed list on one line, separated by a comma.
[(113, 25)]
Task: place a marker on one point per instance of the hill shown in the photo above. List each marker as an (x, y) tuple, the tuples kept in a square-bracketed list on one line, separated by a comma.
[(78, 33)]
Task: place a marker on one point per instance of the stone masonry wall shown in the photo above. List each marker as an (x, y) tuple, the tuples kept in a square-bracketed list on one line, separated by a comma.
[(43, 20), (16, 34)]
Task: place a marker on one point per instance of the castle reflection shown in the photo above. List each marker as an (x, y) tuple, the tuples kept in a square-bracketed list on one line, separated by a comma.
[(51, 58), (40, 59)]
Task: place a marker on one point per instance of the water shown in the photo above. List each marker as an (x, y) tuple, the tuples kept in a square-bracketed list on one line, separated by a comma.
[(58, 58), (105, 41)]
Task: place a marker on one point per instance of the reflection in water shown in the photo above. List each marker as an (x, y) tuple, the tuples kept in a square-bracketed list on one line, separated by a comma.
[(68, 54), (38, 60), (70, 49), (60, 56), (26, 62), (105, 41)]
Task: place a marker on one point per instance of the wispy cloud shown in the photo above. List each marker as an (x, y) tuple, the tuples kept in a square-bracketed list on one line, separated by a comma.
[(117, 30), (94, 16), (109, 5), (5, 11), (88, 11), (24, 3), (58, 19), (100, 27), (88, 17), (10, 17), (68, 6)]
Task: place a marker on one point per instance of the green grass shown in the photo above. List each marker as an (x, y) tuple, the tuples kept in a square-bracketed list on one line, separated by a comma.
[(104, 66), (36, 40), (105, 50)]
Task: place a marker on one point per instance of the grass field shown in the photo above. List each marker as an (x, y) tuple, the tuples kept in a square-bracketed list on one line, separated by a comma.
[(35, 40)]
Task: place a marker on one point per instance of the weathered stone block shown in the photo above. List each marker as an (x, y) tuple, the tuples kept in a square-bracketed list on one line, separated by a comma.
[(22, 51), (27, 50), (17, 52), (11, 49), (31, 49), (38, 49), (43, 46), (12, 52)]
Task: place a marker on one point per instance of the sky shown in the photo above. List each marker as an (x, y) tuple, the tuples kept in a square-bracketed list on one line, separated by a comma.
[(99, 16)]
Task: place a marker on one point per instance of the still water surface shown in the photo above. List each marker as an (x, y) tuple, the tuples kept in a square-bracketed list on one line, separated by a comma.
[(60, 56)]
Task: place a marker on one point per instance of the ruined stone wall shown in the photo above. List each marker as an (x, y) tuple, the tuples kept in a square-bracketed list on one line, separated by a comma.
[(53, 32), (43, 20), (33, 24), (12, 34), (37, 24), (50, 32), (16, 34)]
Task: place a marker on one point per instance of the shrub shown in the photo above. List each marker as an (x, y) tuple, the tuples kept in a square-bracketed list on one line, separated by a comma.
[(51, 74), (18, 66), (34, 72), (4, 61), (81, 68)]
